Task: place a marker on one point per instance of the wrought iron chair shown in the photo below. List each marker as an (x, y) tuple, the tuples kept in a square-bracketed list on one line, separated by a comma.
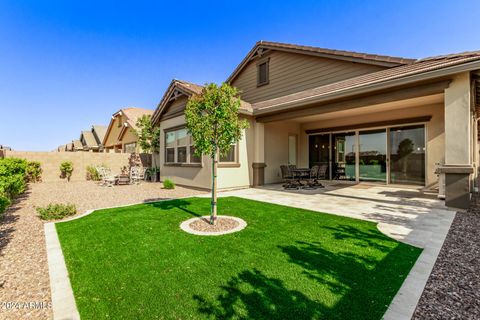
[(288, 178)]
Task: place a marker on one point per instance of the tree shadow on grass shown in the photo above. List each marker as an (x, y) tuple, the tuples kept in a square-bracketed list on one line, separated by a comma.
[(362, 238), (180, 204), (331, 285)]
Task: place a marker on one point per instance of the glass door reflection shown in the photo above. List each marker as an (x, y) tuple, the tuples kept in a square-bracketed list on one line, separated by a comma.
[(343, 165), (373, 155), (407, 155)]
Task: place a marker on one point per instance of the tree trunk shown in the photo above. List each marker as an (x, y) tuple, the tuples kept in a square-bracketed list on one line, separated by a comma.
[(213, 216)]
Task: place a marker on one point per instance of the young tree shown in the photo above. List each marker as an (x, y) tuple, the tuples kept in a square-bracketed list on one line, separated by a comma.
[(148, 134), (212, 120)]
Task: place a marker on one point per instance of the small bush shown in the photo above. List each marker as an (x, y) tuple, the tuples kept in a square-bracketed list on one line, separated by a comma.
[(33, 171), (4, 203), (92, 173), (168, 184), (66, 169), (56, 211)]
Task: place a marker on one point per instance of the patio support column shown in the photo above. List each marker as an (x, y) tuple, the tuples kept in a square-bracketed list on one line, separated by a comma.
[(458, 166), (258, 163)]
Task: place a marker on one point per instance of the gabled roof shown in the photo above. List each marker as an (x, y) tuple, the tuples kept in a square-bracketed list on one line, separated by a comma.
[(77, 145), (131, 117), (178, 87), (422, 68), (89, 138), (262, 46), (99, 132)]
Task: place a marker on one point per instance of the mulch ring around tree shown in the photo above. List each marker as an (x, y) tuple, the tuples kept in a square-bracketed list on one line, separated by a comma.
[(202, 226)]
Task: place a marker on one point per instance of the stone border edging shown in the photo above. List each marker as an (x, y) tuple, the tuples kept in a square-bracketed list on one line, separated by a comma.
[(185, 226), (63, 301)]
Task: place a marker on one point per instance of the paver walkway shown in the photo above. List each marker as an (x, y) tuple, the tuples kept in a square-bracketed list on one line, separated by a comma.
[(407, 215)]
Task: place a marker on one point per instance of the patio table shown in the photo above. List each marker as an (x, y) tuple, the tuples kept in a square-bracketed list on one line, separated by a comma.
[(300, 173)]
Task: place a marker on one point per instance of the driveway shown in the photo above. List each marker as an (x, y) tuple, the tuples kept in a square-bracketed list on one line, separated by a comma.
[(406, 214)]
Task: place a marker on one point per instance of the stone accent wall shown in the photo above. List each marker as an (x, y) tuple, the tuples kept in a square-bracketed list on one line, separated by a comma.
[(50, 162)]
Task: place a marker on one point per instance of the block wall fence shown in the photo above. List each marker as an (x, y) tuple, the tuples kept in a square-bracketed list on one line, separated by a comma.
[(50, 162)]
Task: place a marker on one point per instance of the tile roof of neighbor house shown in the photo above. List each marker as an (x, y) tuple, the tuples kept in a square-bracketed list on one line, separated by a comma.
[(89, 138), (382, 60), (99, 131), (133, 114), (350, 86)]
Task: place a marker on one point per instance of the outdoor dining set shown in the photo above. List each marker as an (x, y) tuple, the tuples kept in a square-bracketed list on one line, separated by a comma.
[(134, 176), (303, 178)]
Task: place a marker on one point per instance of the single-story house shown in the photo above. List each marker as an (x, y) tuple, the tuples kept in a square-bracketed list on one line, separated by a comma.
[(77, 145), (89, 142), (61, 148), (69, 147), (99, 132), (366, 117), (121, 134)]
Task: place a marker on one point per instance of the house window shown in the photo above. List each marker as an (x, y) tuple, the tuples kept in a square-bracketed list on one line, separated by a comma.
[(129, 147), (262, 72), (179, 147), (230, 156)]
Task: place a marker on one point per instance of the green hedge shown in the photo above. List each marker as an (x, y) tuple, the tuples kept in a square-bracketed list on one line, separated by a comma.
[(55, 211), (14, 175)]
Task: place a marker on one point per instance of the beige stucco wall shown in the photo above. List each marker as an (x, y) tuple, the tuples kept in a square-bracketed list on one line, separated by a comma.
[(276, 147), (189, 176), (241, 176), (435, 132), (200, 177)]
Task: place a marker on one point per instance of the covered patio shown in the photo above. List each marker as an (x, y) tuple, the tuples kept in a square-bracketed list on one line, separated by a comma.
[(397, 137)]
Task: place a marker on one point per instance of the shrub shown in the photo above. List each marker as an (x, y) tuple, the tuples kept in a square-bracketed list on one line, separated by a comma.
[(4, 203), (92, 173), (66, 169), (56, 211), (33, 171), (168, 184), (12, 176)]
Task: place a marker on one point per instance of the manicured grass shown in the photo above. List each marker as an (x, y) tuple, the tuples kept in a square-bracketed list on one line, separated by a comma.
[(136, 263)]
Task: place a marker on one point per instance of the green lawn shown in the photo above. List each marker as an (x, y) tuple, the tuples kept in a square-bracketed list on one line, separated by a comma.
[(136, 263)]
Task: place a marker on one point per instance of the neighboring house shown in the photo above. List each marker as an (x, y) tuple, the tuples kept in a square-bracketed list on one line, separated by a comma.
[(77, 145), (89, 142), (121, 132), (366, 117), (99, 132), (69, 147), (61, 148)]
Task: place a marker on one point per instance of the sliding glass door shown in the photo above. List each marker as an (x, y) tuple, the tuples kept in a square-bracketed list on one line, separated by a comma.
[(343, 165), (319, 151), (388, 155), (373, 155), (407, 155)]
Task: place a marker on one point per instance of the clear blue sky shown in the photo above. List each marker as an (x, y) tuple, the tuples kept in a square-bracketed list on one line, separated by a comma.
[(65, 65)]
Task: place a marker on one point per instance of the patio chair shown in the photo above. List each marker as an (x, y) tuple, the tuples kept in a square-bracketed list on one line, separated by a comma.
[(288, 178), (134, 175), (108, 178), (312, 180)]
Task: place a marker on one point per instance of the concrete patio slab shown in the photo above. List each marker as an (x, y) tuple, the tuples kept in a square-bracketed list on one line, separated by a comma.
[(406, 214)]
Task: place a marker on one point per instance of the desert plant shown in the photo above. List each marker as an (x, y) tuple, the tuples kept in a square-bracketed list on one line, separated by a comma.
[(33, 171), (168, 184), (12, 177), (92, 173), (56, 211), (66, 169), (4, 203), (212, 120)]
